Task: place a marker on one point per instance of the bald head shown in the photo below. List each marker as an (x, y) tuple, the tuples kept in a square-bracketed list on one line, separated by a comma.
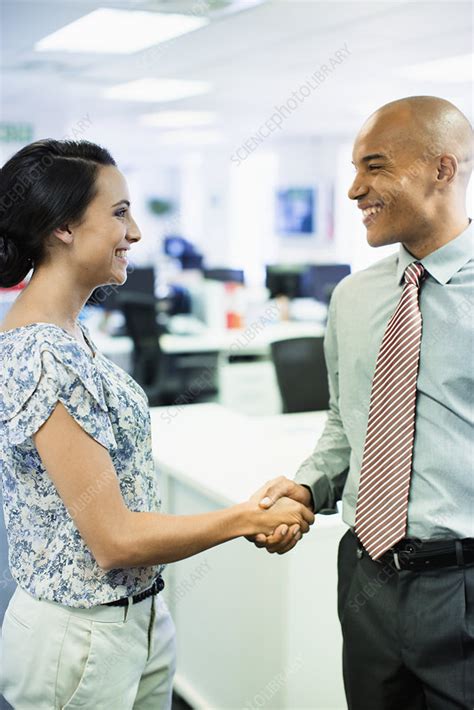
[(426, 125), (413, 160)]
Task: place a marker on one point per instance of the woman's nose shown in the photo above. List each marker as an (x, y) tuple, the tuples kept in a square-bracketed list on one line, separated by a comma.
[(133, 233)]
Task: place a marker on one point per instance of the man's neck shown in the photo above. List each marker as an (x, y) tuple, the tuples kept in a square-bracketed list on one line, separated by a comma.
[(422, 247)]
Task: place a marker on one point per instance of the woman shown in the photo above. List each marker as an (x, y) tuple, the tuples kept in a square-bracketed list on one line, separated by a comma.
[(87, 543)]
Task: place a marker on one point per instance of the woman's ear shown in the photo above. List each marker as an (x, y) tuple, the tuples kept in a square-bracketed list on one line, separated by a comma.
[(64, 234)]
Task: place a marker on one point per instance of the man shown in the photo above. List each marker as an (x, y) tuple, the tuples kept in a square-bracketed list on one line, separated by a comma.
[(398, 443)]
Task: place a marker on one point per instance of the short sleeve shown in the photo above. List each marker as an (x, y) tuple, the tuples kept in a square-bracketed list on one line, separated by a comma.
[(38, 379)]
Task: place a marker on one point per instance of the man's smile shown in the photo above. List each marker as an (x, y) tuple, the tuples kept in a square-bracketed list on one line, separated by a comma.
[(370, 212)]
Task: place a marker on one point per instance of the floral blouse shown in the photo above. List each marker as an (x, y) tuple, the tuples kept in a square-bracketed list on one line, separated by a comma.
[(41, 364)]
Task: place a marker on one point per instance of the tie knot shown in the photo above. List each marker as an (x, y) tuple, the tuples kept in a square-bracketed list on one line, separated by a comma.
[(414, 273)]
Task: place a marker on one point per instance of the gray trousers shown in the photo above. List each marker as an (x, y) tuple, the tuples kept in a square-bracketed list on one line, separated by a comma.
[(408, 637)]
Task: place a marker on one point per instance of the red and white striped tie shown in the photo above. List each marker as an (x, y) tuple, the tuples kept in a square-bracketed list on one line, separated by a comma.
[(382, 501)]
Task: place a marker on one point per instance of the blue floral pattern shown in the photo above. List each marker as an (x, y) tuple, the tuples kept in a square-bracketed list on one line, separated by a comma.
[(41, 364)]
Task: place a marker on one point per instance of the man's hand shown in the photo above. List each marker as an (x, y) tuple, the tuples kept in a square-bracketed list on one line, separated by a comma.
[(284, 538)]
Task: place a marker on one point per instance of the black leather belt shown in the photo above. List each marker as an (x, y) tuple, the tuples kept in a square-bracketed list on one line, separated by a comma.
[(416, 555), (157, 586)]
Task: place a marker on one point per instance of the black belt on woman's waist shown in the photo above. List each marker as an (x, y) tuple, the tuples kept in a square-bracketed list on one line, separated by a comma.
[(157, 586)]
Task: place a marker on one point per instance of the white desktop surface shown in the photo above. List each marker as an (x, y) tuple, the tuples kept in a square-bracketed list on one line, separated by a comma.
[(232, 341), (244, 617), (230, 455)]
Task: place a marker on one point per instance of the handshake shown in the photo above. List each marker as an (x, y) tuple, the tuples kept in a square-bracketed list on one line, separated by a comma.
[(286, 514)]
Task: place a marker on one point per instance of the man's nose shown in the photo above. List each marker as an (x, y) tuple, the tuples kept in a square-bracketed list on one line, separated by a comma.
[(357, 189)]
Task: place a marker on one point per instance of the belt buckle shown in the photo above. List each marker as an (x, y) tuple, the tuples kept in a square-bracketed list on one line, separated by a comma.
[(396, 560)]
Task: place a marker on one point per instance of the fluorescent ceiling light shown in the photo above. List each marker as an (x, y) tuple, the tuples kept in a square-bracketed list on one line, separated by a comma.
[(178, 119), (196, 138), (450, 69), (119, 31), (150, 89)]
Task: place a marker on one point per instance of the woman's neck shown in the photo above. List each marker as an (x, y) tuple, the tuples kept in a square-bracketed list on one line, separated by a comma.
[(53, 296)]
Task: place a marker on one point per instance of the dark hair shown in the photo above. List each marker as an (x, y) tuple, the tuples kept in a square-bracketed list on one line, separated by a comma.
[(43, 186)]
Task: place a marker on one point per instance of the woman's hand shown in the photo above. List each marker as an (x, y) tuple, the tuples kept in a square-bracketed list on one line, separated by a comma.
[(284, 537), (284, 511)]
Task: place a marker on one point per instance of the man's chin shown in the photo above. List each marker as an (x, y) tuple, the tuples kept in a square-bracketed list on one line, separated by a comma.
[(380, 240)]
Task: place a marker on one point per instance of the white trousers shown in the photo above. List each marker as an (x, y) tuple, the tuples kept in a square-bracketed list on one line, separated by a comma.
[(55, 657)]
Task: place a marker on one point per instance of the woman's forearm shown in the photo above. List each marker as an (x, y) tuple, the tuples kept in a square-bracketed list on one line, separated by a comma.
[(153, 538), (142, 539)]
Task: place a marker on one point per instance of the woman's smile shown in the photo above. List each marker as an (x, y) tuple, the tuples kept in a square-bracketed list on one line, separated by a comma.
[(121, 255)]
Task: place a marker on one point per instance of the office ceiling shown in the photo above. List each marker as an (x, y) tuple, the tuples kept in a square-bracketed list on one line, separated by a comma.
[(255, 54)]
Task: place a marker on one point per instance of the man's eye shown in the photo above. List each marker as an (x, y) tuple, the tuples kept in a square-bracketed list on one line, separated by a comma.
[(374, 167)]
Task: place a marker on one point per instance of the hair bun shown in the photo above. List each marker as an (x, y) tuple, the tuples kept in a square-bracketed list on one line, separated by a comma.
[(13, 266), (7, 245)]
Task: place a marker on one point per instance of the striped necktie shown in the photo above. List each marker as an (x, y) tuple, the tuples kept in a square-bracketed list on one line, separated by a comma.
[(382, 501)]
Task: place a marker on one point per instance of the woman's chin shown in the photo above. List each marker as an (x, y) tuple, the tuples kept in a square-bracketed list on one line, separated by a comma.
[(118, 277)]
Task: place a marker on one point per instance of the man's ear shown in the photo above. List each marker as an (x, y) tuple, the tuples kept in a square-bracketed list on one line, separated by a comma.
[(447, 167)]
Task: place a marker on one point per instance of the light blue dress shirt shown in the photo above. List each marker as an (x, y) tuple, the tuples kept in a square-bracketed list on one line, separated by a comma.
[(441, 499)]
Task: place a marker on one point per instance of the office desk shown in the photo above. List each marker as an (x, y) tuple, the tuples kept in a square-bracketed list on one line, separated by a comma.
[(229, 342), (240, 341), (248, 387), (252, 628)]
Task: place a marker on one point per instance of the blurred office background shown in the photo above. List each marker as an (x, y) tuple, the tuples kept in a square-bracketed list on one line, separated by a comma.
[(233, 123)]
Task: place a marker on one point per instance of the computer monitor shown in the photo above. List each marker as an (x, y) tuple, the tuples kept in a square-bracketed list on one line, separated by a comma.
[(288, 280), (175, 246), (305, 280), (325, 277), (225, 275), (139, 280), (182, 250)]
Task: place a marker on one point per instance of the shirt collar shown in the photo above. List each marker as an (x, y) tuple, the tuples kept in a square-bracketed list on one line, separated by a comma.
[(443, 263)]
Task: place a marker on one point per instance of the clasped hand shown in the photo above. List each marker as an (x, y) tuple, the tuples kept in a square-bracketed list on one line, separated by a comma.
[(277, 496)]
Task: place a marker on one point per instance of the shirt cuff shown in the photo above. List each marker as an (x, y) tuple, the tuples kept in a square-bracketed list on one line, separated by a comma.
[(320, 493)]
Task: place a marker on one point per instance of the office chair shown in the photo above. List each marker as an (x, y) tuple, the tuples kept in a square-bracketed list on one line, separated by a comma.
[(150, 365), (301, 374)]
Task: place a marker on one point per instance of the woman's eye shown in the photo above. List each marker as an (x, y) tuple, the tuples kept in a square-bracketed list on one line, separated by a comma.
[(121, 212)]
